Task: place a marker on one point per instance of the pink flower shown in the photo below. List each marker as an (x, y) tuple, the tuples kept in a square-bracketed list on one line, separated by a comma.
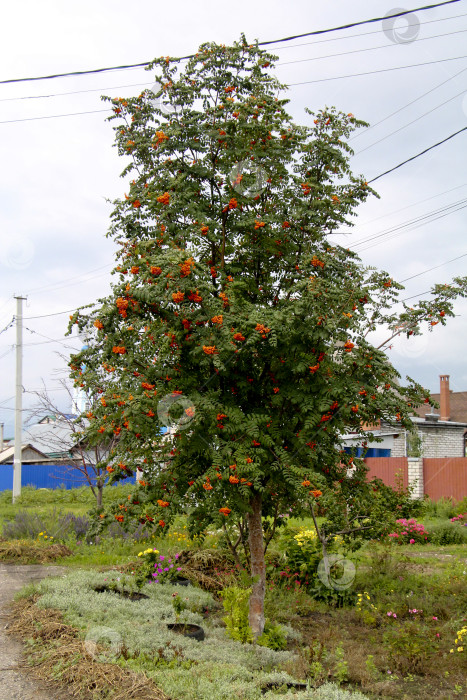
[(412, 542)]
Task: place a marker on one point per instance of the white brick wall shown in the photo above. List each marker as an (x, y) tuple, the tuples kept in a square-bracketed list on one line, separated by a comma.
[(415, 476), (441, 440)]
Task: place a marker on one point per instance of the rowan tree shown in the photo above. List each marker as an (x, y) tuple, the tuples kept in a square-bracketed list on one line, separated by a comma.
[(232, 313)]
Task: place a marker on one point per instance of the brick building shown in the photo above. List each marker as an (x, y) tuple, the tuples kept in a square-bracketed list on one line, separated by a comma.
[(433, 436)]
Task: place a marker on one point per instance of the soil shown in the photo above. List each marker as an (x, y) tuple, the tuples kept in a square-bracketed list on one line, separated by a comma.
[(131, 595), (16, 681)]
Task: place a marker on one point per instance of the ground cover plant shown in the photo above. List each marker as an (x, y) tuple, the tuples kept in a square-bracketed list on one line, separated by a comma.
[(388, 638), (135, 636)]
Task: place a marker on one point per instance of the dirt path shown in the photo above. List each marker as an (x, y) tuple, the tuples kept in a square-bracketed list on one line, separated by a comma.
[(16, 682)]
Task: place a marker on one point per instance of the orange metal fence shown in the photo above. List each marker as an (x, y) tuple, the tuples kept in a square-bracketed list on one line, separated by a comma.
[(446, 477), (386, 469)]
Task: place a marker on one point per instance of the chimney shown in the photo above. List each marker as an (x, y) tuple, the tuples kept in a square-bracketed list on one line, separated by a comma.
[(445, 411)]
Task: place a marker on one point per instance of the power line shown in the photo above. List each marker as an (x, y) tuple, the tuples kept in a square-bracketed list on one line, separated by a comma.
[(311, 43), (261, 43), (401, 128), (433, 268), (9, 325), (354, 36), (79, 278), (306, 82), (57, 313), (356, 24), (370, 48), (374, 72), (396, 167), (7, 352), (411, 222), (54, 116), (440, 216), (72, 92), (409, 206), (372, 126), (48, 339)]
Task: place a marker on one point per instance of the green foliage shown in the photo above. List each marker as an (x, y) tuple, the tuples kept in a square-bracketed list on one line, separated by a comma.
[(371, 667), (414, 443), (302, 554), (332, 596), (443, 508), (409, 646), (230, 308), (235, 602), (218, 668), (273, 637), (448, 533), (178, 604), (341, 671)]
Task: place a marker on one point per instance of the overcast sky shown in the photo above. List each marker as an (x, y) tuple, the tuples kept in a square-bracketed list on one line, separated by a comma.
[(56, 173)]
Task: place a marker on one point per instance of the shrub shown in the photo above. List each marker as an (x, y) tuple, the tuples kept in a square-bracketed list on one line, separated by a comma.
[(273, 637), (235, 602), (448, 533), (409, 532), (398, 500), (55, 524), (443, 508), (461, 506), (409, 647), (302, 555)]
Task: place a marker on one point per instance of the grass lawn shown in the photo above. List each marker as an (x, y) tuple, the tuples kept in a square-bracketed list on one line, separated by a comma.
[(390, 636)]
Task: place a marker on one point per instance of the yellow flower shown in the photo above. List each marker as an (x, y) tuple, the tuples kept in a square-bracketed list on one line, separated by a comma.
[(140, 554), (460, 648)]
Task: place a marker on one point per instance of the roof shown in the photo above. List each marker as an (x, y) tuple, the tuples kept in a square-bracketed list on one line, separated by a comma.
[(458, 406), (54, 439), (28, 454)]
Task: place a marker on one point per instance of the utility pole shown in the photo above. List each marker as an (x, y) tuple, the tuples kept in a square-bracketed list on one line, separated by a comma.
[(1, 436), (18, 399)]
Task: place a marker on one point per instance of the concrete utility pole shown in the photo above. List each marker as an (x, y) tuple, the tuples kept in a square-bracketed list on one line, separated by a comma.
[(18, 399), (1, 436)]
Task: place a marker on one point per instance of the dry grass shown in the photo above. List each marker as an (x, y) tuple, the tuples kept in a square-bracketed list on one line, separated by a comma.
[(27, 552), (60, 655), (205, 567)]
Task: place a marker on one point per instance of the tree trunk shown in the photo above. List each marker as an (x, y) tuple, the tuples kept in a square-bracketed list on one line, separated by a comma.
[(258, 567), (100, 490)]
